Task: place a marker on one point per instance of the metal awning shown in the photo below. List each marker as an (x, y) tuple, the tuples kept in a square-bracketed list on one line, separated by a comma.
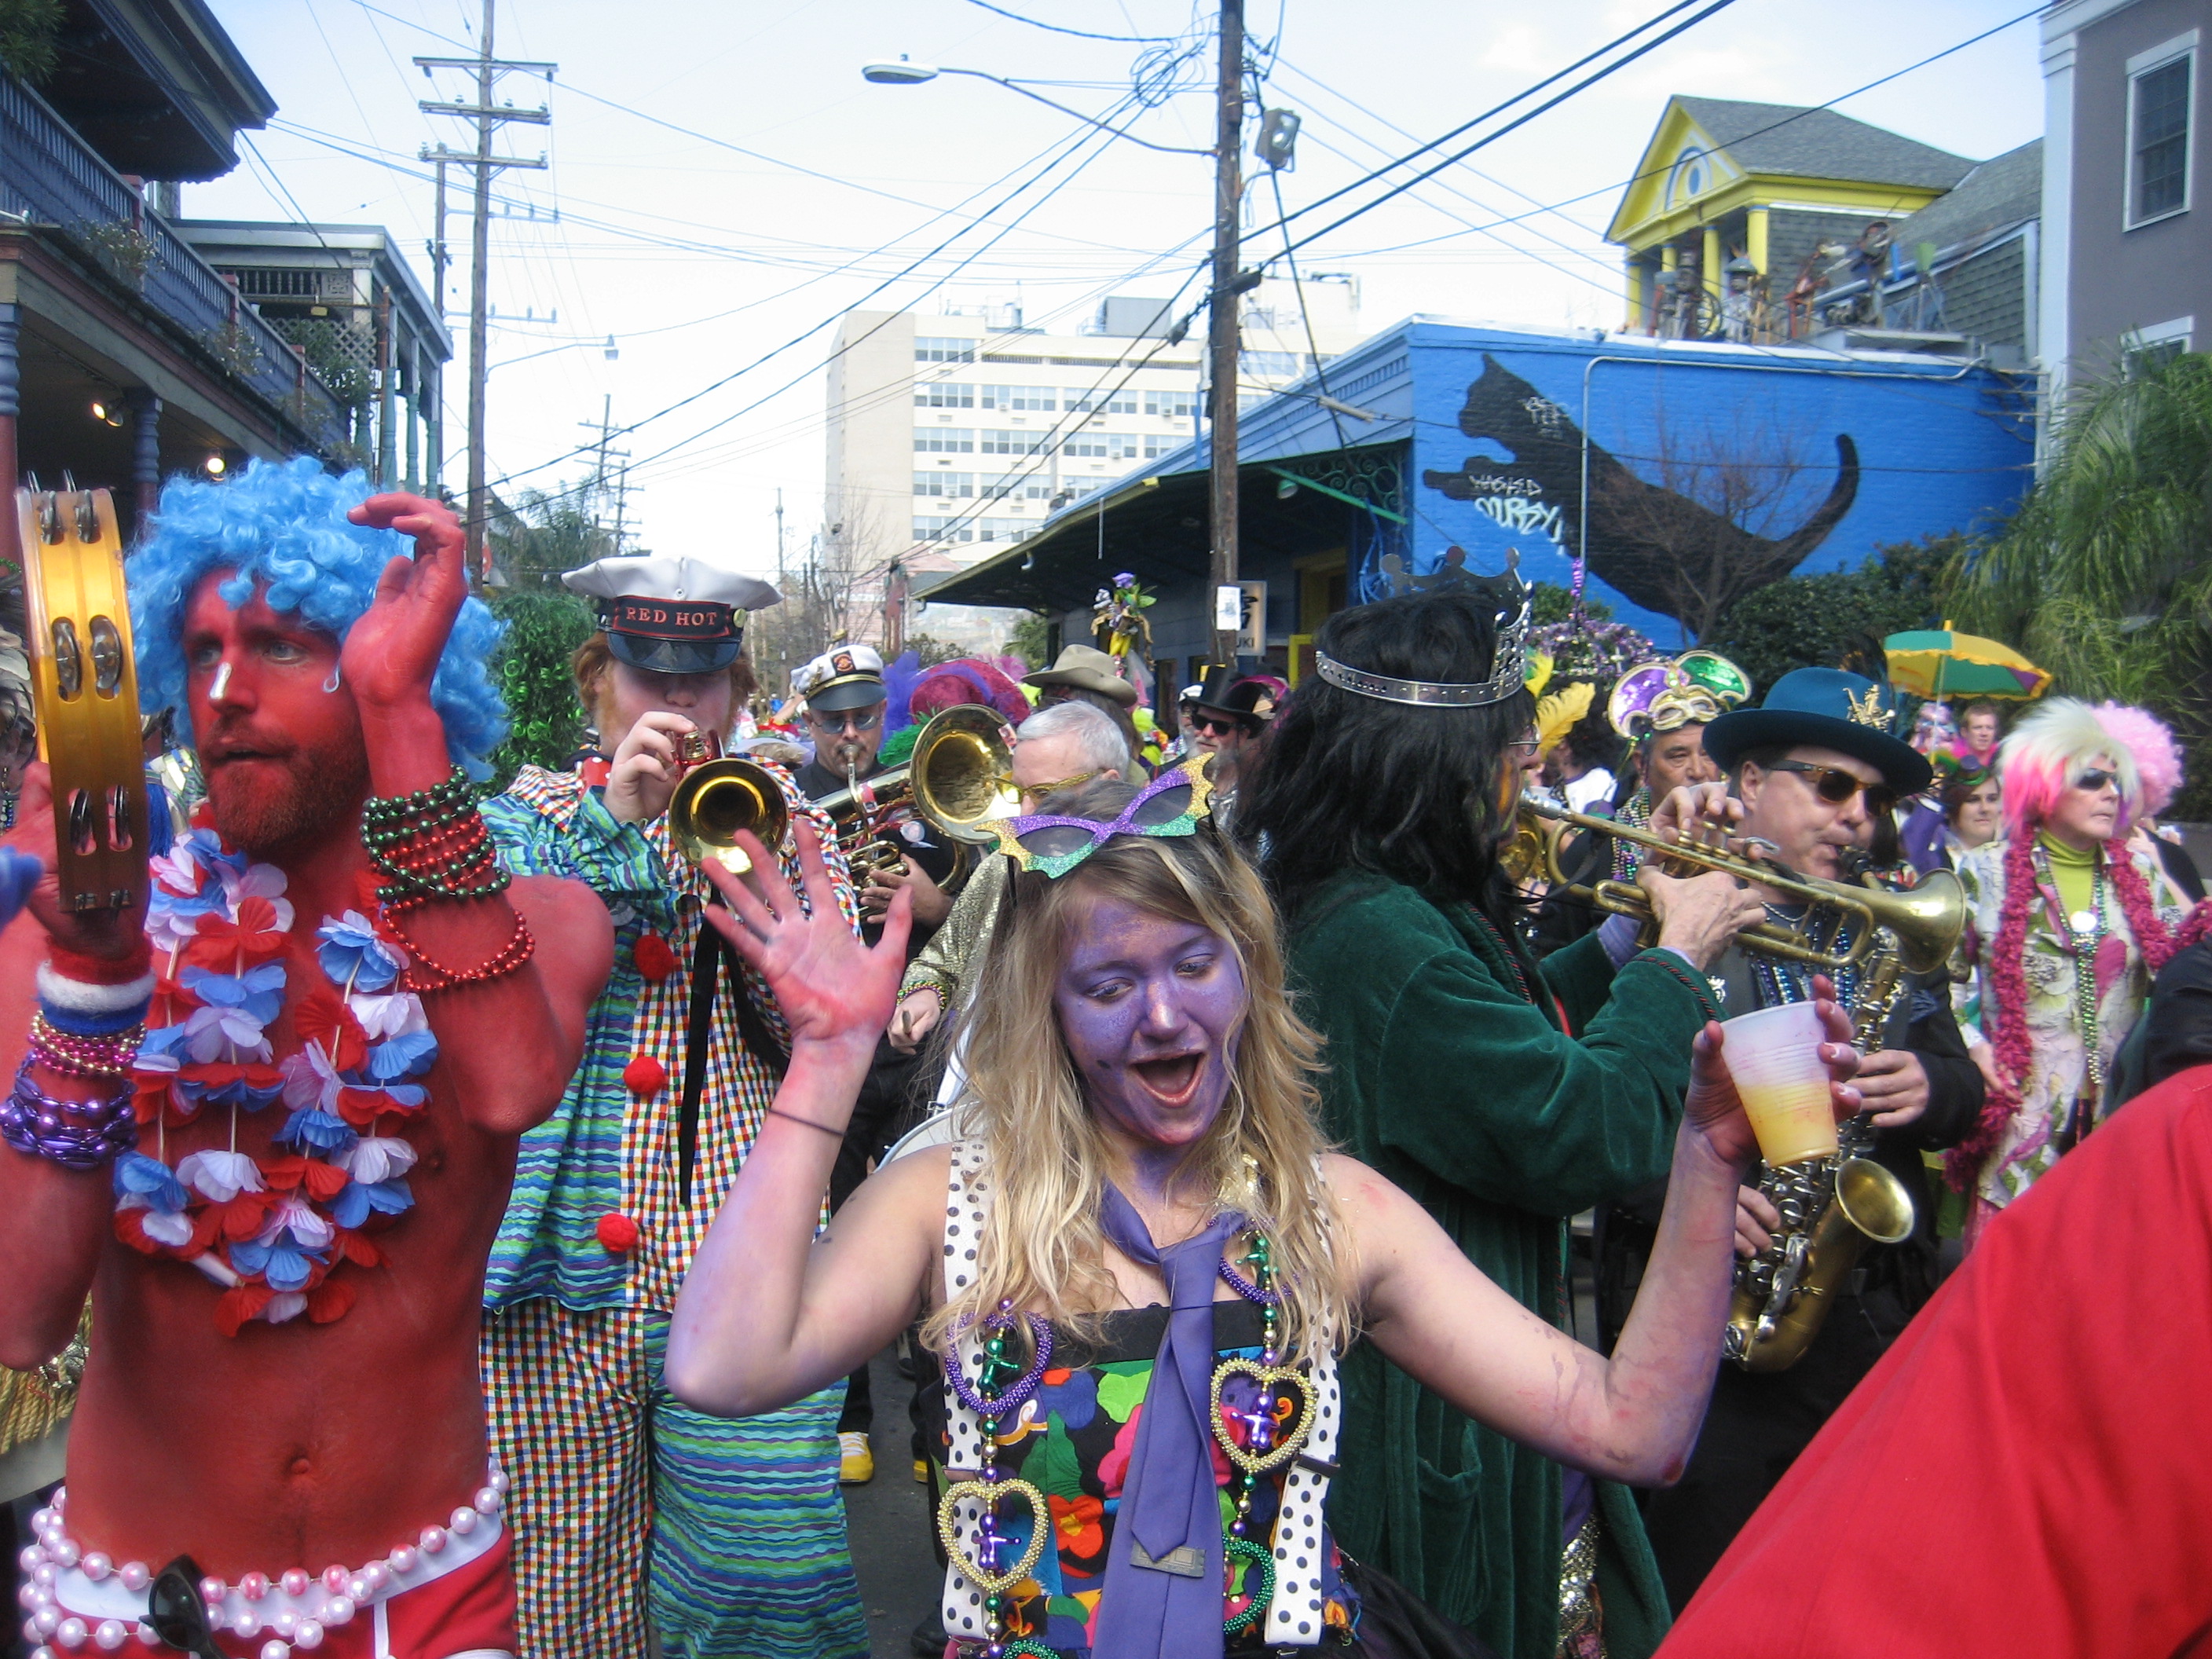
[(1156, 529)]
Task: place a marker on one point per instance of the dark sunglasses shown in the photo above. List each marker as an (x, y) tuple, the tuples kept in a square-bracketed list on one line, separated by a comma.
[(178, 1614), (2095, 779), (1836, 787), (1219, 728)]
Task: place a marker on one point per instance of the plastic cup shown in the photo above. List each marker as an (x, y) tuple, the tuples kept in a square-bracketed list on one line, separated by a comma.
[(1774, 1055)]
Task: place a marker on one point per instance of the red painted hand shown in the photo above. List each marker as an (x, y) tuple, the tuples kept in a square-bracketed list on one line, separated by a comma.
[(830, 987), (391, 653)]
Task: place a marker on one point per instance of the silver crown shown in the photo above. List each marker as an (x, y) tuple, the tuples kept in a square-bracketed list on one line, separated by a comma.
[(1509, 661)]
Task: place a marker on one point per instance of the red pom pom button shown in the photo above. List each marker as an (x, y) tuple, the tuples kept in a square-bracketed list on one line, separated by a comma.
[(655, 960), (617, 1233), (644, 1076)]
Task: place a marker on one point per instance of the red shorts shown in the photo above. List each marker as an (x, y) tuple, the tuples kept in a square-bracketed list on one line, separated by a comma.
[(467, 1613)]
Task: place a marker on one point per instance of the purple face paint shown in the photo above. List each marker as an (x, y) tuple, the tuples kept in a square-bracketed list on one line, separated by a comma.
[(1151, 1009)]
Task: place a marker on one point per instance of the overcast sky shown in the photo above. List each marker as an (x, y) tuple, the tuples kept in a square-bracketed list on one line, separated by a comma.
[(699, 259)]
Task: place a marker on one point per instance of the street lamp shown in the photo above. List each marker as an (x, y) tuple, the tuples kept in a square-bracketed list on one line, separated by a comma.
[(899, 72)]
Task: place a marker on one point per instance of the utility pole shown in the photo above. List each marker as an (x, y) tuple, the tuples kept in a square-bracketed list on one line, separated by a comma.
[(604, 426), (486, 115), (1222, 314), (778, 536)]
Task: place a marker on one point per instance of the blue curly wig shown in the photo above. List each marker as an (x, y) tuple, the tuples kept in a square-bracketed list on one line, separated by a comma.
[(284, 522)]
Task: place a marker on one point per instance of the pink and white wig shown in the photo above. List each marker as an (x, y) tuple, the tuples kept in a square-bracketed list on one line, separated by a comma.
[(2061, 737)]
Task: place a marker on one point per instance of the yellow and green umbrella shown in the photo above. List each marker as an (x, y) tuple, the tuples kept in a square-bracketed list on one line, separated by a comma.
[(1937, 662)]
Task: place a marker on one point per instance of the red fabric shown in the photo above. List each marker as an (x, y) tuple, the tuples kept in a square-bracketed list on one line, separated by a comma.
[(468, 1609), (101, 970), (2027, 1473)]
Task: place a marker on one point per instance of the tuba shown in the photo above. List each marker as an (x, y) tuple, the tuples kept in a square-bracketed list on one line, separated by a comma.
[(958, 779), (84, 686), (1833, 1207)]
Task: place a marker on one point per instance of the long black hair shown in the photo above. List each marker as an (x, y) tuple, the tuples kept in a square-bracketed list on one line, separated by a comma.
[(1413, 793)]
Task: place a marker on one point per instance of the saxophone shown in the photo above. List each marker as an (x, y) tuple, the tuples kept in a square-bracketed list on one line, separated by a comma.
[(1832, 1207)]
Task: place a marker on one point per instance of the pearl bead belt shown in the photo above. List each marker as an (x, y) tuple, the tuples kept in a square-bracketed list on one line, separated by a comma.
[(76, 1598)]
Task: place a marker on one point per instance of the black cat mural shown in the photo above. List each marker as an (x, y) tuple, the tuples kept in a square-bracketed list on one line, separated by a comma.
[(1634, 526)]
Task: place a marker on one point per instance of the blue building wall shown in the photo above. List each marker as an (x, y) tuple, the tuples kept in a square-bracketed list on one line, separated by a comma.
[(1550, 444)]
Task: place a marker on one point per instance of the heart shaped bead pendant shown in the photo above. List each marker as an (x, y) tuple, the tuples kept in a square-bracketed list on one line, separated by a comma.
[(1286, 1441), (948, 1510)]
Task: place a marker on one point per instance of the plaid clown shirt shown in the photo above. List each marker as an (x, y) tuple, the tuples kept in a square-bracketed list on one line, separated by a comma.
[(606, 1151)]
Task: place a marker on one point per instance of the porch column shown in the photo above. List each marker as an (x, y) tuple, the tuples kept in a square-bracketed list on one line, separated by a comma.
[(146, 454), (10, 404)]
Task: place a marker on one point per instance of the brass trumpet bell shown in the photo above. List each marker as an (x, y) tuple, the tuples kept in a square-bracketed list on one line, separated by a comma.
[(719, 796)]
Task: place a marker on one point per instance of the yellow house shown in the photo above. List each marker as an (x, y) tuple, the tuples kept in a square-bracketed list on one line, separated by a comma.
[(1757, 189)]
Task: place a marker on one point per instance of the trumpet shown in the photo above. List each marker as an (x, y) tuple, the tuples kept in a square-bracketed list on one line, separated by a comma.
[(717, 797), (959, 778), (1836, 931)]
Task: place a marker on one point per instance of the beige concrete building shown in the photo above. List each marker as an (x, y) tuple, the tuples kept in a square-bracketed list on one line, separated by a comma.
[(952, 434)]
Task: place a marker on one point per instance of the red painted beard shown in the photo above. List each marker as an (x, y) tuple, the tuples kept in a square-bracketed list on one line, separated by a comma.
[(269, 794)]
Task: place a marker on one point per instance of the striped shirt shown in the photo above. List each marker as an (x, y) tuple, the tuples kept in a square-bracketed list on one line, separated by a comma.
[(601, 1152)]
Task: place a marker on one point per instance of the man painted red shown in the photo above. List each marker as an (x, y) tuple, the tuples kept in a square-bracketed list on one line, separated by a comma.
[(286, 1267)]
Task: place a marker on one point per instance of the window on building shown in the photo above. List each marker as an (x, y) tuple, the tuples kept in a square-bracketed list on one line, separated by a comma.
[(1003, 442), (1002, 530), (1076, 489), (1158, 444), (933, 527), (944, 394), (1123, 402), (944, 441), (1085, 443), (1082, 400), (1170, 405), (1272, 365), (944, 486), (2158, 119), (1122, 446), (2148, 349), (940, 351)]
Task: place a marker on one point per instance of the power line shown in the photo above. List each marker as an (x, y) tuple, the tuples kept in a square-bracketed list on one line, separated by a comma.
[(1519, 121), (1496, 109), (1653, 173), (1069, 150), (1080, 34)]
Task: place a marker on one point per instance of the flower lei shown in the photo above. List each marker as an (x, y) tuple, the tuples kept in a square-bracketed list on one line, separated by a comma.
[(272, 1230), (2008, 971)]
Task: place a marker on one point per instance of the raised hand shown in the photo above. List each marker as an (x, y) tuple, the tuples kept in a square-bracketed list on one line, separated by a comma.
[(831, 988), (392, 652)]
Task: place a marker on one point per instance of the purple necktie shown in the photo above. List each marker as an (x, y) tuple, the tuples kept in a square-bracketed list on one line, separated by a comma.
[(1163, 1573)]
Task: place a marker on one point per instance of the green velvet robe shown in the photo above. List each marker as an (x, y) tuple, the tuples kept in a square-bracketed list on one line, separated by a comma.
[(1447, 1076)]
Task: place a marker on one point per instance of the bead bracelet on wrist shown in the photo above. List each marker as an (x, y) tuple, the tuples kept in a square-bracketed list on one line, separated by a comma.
[(77, 1135), (108, 1056)]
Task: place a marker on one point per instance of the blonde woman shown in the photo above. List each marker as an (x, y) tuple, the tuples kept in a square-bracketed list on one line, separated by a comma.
[(1141, 1269)]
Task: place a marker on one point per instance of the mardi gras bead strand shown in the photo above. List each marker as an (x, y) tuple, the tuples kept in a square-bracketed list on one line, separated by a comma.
[(992, 1398)]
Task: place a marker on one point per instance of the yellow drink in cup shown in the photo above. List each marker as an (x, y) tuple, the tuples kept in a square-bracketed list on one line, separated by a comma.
[(1774, 1055)]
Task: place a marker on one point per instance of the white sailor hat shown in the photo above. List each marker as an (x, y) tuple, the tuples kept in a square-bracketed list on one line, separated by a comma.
[(843, 677), (671, 613)]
